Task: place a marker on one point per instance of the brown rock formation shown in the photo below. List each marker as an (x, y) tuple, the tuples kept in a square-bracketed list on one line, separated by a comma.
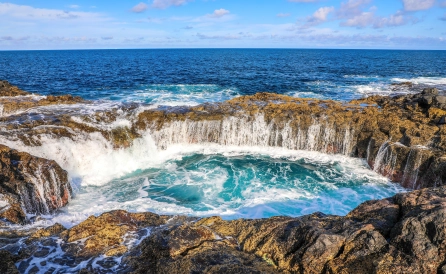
[(401, 137), (402, 234), (6, 89), (13, 99), (398, 137), (29, 184)]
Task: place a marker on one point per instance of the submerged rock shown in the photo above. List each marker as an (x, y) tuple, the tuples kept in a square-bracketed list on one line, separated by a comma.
[(30, 185)]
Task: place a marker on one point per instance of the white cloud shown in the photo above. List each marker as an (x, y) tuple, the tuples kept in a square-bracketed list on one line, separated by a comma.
[(283, 15), (362, 20), (74, 6), (321, 14), (369, 18), (219, 13), (352, 8), (33, 14), (163, 4), (140, 8), (414, 5)]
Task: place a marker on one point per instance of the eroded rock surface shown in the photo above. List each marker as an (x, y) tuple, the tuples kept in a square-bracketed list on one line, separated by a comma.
[(402, 234), (402, 137), (30, 185)]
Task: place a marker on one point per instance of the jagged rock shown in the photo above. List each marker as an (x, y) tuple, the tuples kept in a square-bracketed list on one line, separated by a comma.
[(430, 91), (403, 84), (6, 89), (426, 101), (361, 128), (55, 229), (30, 184), (402, 234), (440, 100), (7, 265), (105, 234)]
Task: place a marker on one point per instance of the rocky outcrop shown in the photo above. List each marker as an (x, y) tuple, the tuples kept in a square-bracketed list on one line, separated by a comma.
[(30, 185), (6, 89), (14, 100), (402, 137), (402, 234), (399, 137)]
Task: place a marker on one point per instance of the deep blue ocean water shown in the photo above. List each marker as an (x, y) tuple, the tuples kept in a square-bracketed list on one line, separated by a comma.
[(225, 181), (200, 75)]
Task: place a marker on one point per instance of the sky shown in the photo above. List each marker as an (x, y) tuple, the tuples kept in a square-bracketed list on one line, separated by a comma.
[(94, 24)]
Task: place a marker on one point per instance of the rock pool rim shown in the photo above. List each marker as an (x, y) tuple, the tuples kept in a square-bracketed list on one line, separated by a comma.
[(406, 160)]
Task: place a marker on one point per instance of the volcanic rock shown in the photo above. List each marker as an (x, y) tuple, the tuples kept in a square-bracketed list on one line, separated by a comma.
[(7, 262), (6, 89), (402, 234), (30, 185)]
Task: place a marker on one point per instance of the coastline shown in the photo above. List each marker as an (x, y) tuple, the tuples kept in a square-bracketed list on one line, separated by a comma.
[(402, 138)]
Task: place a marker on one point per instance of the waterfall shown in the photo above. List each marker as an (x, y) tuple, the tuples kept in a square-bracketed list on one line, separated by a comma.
[(255, 131), (385, 160), (411, 170)]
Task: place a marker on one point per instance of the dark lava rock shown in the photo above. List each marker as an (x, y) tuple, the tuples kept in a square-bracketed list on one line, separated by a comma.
[(30, 184), (7, 264), (402, 234), (426, 101)]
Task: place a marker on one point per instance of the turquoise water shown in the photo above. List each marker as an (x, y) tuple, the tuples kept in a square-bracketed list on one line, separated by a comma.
[(238, 185)]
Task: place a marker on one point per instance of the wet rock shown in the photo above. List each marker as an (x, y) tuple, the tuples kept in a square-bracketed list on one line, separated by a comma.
[(30, 185), (55, 229), (7, 263), (440, 100), (6, 89), (403, 84), (402, 234), (105, 234), (426, 101), (430, 91)]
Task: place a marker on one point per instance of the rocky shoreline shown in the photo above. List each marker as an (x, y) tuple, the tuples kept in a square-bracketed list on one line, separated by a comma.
[(402, 137)]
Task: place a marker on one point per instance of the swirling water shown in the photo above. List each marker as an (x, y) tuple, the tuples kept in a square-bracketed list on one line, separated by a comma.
[(231, 182)]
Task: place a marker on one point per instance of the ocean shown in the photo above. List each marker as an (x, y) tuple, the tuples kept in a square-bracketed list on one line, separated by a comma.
[(204, 179)]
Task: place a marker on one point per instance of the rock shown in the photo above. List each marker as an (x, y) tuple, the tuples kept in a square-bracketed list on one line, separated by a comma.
[(6, 89), (426, 101), (370, 128), (105, 234), (404, 84), (402, 234), (430, 91), (442, 120), (30, 185), (440, 100), (7, 265), (55, 229)]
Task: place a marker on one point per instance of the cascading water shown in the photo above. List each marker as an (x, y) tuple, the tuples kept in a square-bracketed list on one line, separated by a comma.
[(255, 131), (234, 167)]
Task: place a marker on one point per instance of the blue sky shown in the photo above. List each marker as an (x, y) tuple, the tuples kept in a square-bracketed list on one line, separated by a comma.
[(81, 24)]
